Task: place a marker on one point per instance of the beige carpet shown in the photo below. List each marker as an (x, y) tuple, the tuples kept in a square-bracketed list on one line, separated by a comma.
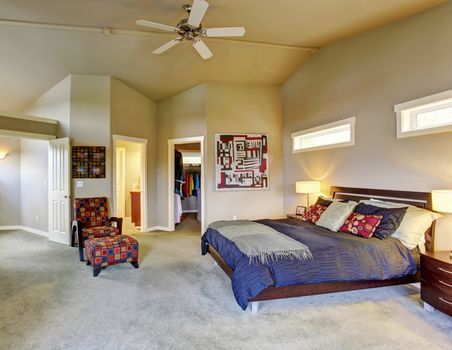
[(180, 300)]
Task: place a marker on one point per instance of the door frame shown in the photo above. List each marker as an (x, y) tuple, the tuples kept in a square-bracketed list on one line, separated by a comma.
[(123, 171), (171, 146), (143, 176)]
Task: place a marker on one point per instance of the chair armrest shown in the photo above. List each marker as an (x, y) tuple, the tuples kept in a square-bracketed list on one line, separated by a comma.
[(118, 222)]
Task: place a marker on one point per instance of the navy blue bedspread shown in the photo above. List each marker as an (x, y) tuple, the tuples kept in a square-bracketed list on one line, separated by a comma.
[(337, 256)]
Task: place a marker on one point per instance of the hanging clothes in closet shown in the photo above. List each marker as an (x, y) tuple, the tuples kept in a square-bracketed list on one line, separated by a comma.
[(192, 175), (178, 172)]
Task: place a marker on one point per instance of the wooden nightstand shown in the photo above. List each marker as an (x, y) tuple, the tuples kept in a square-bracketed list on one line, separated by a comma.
[(436, 281), (293, 216)]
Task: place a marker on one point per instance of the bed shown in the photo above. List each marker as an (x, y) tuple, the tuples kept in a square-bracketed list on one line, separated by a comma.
[(342, 262)]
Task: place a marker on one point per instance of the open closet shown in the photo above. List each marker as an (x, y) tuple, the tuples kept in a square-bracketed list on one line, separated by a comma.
[(187, 186)]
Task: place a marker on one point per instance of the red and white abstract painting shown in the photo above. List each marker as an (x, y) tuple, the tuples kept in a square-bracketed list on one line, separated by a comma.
[(241, 161)]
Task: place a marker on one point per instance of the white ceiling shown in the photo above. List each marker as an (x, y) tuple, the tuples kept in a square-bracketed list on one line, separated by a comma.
[(37, 58)]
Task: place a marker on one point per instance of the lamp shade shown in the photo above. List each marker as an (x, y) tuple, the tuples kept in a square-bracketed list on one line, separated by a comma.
[(307, 186), (442, 200), (3, 155)]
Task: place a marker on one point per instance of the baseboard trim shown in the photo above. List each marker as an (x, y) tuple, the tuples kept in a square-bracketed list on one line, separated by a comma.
[(35, 231), (10, 228), (158, 228), (25, 228)]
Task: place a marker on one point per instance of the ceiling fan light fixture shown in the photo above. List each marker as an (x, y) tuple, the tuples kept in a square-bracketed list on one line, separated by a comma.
[(190, 29)]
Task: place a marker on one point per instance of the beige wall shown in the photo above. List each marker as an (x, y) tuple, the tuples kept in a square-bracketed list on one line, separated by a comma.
[(90, 126), (366, 76), (245, 109), (210, 108), (81, 104), (90, 109), (179, 116), (54, 104), (23, 183), (10, 182), (33, 183), (135, 115)]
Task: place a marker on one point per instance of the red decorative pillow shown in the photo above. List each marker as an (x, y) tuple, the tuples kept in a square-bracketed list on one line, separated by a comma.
[(313, 213), (361, 225)]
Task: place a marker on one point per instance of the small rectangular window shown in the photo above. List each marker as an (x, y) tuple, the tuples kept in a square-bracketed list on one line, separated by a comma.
[(337, 134), (427, 115)]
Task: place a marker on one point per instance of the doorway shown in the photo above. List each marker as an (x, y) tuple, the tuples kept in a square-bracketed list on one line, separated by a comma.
[(35, 185), (186, 195), (129, 191)]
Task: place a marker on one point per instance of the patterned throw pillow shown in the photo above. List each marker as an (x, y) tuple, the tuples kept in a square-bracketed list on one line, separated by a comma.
[(361, 225), (313, 213)]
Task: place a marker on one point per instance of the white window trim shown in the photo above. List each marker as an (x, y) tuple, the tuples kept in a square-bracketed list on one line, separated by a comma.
[(348, 121), (408, 110)]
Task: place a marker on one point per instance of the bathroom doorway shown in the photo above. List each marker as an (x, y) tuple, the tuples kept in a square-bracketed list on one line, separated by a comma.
[(130, 182)]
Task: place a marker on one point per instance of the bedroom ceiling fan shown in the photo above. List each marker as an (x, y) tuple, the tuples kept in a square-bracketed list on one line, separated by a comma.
[(190, 29)]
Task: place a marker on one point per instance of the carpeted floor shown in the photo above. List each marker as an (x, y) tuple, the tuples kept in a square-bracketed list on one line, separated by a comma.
[(180, 300)]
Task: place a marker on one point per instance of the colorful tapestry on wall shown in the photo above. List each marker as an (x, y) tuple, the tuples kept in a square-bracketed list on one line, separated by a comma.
[(241, 161), (88, 162)]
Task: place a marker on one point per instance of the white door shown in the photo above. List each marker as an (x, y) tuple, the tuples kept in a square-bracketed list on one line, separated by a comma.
[(60, 191), (120, 182)]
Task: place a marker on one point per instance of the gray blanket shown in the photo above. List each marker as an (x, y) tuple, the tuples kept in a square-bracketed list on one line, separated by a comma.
[(261, 243)]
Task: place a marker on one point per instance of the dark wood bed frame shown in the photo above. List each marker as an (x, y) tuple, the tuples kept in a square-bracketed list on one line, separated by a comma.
[(419, 199)]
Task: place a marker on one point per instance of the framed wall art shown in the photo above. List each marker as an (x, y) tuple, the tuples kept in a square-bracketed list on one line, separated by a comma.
[(241, 161), (88, 162)]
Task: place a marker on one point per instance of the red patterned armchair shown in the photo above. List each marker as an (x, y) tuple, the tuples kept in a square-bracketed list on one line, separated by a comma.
[(91, 221)]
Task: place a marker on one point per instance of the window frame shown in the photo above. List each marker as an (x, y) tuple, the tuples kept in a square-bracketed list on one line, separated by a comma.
[(351, 121), (407, 112)]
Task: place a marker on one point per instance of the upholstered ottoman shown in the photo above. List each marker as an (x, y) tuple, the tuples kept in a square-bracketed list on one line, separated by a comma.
[(106, 251)]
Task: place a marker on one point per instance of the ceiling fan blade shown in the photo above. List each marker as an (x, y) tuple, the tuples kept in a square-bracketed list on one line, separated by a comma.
[(226, 31), (154, 25), (198, 10), (202, 49), (166, 46)]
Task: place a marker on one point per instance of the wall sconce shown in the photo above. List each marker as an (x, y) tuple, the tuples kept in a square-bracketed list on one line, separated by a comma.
[(3, 155)]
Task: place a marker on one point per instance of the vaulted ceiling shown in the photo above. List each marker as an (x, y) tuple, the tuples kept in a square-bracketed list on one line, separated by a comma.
[(278, 40)]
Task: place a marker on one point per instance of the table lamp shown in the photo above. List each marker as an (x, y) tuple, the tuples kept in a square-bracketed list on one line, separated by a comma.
[(442, 201), (307, 187)]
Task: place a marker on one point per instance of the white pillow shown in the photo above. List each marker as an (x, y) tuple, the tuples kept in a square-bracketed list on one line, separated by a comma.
[(413, 226), (384, 204), (335, 215)]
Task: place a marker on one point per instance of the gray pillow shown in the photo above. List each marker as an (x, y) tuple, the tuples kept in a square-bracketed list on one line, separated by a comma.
[(335, 215), (392, 217)]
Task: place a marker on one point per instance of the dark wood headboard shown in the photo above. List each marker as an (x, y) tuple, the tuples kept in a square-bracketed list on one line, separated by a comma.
[(417, 199)]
